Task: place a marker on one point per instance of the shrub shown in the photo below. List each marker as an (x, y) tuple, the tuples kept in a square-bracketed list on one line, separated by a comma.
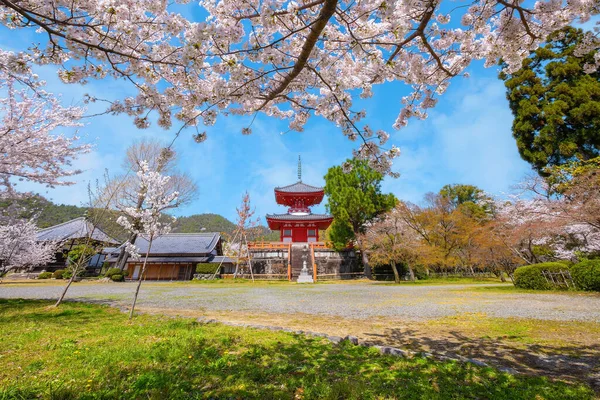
[(586, 275), (80, 251), (206, 268), (113, 271), (530, 276), (58, 274), (117, 278), (45, 275)]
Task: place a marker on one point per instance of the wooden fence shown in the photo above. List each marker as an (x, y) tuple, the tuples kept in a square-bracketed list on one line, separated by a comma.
[(560, 279), (258, 277), (342, 276)]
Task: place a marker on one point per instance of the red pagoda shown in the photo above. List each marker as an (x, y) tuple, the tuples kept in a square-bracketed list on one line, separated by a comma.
[(299, 224)]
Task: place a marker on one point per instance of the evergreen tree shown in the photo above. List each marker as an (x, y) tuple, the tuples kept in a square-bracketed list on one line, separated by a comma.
[(354, 199), (555, 103)]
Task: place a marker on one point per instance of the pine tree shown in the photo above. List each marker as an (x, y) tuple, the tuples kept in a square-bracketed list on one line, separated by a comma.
[(354, 199), (556, 104)]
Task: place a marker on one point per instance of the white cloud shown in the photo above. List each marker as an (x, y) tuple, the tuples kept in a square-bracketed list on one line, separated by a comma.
[(467, 139)]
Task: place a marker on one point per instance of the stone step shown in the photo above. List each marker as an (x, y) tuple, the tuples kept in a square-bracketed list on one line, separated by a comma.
[(300, 252)]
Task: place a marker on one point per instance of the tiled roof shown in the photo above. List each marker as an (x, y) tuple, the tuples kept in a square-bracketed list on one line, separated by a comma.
[(307, 217), (299, 187), (174, 259), (223, 259), (77, 228), (180, 243)]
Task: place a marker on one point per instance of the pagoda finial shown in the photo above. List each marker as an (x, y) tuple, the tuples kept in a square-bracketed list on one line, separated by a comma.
[(299, 169)]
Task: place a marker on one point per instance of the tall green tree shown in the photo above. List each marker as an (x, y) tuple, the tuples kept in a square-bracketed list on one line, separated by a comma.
[(469, 199), (555, 103), (355, 200), (458, 194)]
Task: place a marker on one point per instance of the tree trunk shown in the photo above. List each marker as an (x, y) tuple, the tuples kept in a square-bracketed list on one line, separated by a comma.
[(396, 274), (411, 272), (365, 262), (137, 290), (66, 289), (124, 255)]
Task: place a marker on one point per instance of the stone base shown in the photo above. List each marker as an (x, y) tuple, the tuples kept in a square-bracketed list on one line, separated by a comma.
[(305, 279)]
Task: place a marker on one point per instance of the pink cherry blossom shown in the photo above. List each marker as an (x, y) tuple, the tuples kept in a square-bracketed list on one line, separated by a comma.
[(32, 147), (287, 59)]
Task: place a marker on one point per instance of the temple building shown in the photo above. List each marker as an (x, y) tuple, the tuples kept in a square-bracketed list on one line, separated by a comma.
[(299, 224)]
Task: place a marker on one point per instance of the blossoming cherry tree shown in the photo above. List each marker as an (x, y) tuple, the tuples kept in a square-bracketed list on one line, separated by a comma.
[(146, 221)]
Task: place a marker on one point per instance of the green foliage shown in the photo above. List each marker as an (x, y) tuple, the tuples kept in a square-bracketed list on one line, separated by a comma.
[(203, 223), (80, 252), (206, 268), (177, 358), (58, 274), (469, 199), (459, 194), (69, 273), (354, 199), (530, 276), (340, 234), (117, 278), (586, 275), (562, 178), (113, 271), (45, 275), (555, 103)]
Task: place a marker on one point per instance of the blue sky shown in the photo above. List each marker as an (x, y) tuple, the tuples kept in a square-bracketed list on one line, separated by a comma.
[(466, 139)]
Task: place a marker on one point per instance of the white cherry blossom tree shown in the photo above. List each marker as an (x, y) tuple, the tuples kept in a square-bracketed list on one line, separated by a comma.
[(31, 146), (19, 247), (290, 59), (147, 221)]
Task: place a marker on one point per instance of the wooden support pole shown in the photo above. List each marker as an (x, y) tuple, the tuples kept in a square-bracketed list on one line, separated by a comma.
[(314, 262), (289, 262)]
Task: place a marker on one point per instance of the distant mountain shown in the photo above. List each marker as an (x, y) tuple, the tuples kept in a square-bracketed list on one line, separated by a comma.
[(203, 223), (50, 214), (218, 223)]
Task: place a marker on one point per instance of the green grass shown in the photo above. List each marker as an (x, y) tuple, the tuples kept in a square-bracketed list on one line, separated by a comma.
[(448, 281), (92, 352), (510, 288)]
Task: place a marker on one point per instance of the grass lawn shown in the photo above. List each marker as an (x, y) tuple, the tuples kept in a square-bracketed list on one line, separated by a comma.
[(88, 351)]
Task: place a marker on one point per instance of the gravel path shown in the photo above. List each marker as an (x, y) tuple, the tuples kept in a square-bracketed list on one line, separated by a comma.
[(356, 300)]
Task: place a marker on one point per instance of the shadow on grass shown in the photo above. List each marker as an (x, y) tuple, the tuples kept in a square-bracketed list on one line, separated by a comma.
[(575, 363), (162, 358)]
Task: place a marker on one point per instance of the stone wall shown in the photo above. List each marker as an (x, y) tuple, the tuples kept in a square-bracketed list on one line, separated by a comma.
[(329, 262), (270, 261), (336, 262)]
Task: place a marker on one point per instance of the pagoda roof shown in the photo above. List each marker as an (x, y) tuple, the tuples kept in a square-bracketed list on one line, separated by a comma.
[(299, 187), (304, 217)]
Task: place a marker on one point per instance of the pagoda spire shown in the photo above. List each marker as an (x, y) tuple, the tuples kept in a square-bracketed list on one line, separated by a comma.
[(299, 169)]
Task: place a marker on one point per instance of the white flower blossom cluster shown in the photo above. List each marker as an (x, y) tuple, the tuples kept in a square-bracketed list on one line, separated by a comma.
[(148, 220), (288, 59), (30, 147), (19, 247), (541, 222)]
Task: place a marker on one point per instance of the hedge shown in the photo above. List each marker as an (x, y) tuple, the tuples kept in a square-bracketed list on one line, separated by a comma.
[(113, 271), (206, 268), (586, 275), (45, 275), (530, 276), (58, 274)]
